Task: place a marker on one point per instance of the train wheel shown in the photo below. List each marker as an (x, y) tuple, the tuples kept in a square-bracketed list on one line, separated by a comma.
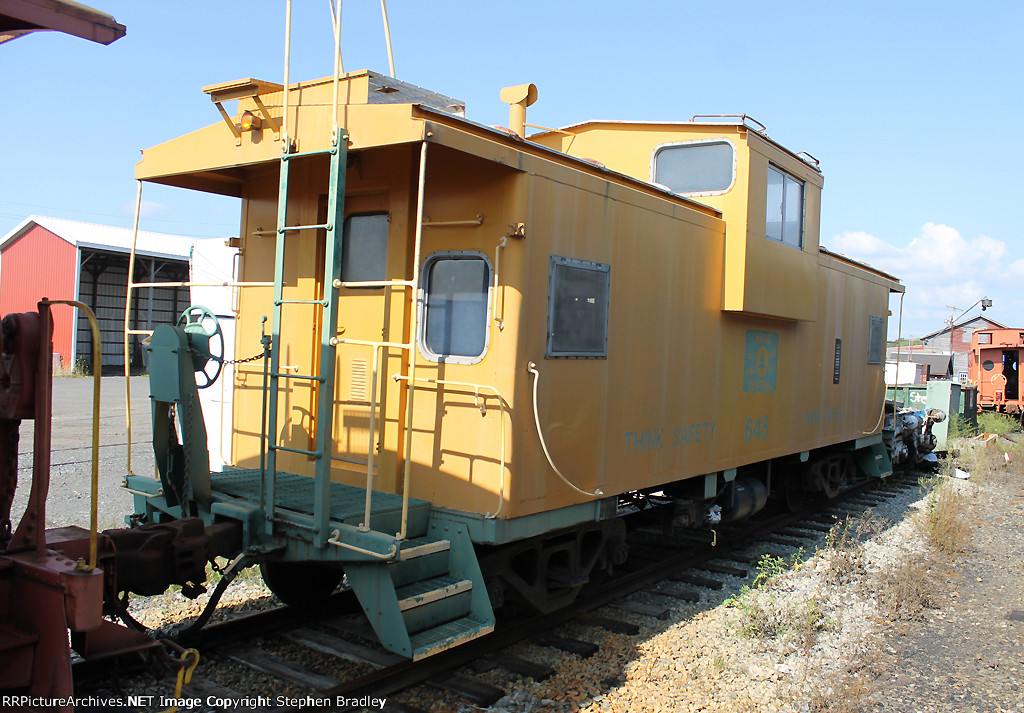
[(301, 584), (793, 492), (830, 474)]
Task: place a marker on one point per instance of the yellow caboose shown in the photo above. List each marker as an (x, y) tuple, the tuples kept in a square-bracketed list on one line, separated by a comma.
[(480, 346)]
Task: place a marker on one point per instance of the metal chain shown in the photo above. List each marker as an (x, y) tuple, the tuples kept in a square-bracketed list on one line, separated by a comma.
[(254, 357)]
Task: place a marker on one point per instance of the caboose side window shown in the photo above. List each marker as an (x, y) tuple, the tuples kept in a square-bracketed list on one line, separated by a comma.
[(364, 248), (454, 324), (695, 167), (578, 293), (784, 219)]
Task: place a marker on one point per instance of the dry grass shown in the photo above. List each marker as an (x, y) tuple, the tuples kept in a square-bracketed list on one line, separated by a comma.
[(945, 524), (910, 587), (988, 459), (851, 691), (843, 555)]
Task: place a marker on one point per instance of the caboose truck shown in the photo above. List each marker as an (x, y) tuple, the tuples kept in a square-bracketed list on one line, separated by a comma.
[(479, 348)]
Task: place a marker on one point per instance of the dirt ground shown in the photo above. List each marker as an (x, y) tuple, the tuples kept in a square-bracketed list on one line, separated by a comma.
[(968, 652), (71, 451)]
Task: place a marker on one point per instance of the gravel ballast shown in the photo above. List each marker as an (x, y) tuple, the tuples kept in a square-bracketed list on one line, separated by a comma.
[(887, 625)]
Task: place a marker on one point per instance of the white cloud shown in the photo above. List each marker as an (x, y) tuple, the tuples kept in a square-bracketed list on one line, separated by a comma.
[(940, 268)]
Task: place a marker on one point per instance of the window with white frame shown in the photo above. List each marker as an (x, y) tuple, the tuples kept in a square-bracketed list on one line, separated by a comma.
[(784, 219), (456, 287), (696, 167)]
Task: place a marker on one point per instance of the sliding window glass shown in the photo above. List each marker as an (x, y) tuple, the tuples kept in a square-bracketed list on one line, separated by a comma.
[(785, 208)]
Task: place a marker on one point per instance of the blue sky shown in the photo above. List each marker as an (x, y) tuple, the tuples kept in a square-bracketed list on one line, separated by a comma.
[(909, 106)]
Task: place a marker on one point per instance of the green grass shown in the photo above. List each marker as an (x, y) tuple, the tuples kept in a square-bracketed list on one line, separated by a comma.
[(989, 422)]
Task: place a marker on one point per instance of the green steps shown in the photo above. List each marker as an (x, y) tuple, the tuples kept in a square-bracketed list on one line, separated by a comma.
[(430, 598), (450, 635), (429, 590)]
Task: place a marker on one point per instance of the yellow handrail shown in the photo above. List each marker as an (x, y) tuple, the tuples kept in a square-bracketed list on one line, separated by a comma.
[(97, 365), (501, 422), (414, 330)]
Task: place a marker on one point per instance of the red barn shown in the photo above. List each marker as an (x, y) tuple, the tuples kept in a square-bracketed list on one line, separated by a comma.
[(70, 260)]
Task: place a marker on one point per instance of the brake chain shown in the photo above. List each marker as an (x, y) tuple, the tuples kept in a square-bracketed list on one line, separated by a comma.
[(254, 357)]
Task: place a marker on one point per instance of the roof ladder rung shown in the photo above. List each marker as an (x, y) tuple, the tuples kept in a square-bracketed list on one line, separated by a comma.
[(296, 228), (322, 303), (303, 154)]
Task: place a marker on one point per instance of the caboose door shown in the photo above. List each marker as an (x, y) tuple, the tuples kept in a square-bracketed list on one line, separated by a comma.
[(992, 383), (370, 255), (1011, 362)]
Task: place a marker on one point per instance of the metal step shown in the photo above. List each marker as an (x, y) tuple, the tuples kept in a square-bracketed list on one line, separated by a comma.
[(438, 612), (430, 590), (420, 546), (447, 636), (421, 562)]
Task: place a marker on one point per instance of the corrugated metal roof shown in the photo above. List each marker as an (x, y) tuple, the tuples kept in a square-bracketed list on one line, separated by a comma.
[(106, 237), (990, 324)]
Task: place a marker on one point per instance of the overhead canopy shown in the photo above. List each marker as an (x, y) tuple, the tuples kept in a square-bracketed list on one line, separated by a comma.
[(937, 362), (20, 17)]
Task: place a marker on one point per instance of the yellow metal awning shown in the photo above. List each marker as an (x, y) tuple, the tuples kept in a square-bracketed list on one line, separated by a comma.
[(20, 17)]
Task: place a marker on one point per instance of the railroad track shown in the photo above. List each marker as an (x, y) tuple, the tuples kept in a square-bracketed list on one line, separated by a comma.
[(661, 575)]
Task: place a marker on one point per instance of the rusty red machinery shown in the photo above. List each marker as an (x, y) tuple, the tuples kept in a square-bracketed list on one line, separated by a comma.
[(994, 367), (62, 580)]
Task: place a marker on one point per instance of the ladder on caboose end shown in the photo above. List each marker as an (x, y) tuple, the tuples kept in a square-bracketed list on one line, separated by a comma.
[(427, 593), (323, 379)]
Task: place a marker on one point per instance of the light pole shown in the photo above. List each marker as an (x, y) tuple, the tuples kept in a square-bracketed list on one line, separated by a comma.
[(985, 303)]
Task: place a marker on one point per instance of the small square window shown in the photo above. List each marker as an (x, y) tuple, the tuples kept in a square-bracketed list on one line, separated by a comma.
[(364, 248), (578, 294)]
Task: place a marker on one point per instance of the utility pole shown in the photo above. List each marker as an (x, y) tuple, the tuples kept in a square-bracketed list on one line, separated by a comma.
[(985, 303)]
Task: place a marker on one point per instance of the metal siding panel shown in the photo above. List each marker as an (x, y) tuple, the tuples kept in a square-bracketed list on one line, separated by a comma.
[(40, 265)]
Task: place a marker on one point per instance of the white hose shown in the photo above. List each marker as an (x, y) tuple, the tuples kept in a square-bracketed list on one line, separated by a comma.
[(896, 378), (532, 368)]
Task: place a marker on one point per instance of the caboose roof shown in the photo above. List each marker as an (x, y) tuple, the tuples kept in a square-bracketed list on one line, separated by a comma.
[(212, 159), (739, 121)]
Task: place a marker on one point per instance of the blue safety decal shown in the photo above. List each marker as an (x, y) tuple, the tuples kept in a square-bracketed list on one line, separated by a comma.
[(760, 361)]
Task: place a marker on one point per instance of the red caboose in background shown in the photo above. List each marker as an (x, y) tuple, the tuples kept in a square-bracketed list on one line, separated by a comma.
[(994, 366)]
